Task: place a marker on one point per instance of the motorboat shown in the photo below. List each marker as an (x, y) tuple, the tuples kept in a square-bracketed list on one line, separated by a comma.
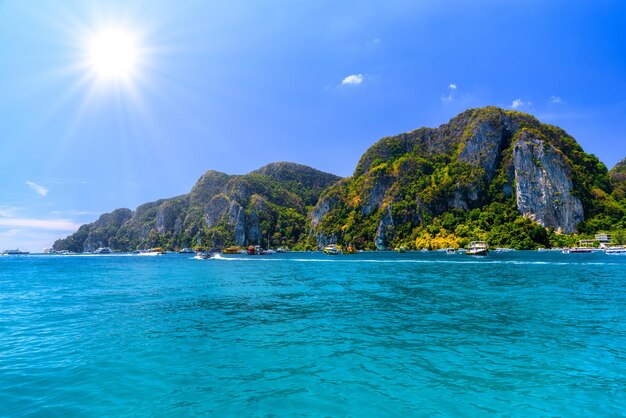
[(504, 250), (477, 248), (332, 249), (618, 250)]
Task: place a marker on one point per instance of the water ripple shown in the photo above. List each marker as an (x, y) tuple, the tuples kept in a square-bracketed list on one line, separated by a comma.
[(520, 334)]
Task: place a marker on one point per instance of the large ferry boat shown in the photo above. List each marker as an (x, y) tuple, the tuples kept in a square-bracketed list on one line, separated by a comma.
[(17, 251)]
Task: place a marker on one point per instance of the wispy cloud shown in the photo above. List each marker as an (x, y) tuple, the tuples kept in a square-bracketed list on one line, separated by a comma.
[(46, 224), (8, 211), (520, 104), (353, 79), (556, 100), (40, 190), (450, 95)]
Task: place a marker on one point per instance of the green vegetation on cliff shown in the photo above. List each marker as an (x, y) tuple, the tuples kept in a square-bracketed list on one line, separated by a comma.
[(489, 174), (220, 210)]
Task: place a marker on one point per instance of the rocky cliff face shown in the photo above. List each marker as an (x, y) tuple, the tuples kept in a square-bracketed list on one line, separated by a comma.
[(543, 186), (482, 156), (220, 210), (486, 174)]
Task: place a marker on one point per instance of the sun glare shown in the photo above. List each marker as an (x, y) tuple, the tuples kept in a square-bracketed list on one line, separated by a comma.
[(113, 54)]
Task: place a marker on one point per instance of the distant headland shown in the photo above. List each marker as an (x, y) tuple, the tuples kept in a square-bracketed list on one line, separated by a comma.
[(488, 174)]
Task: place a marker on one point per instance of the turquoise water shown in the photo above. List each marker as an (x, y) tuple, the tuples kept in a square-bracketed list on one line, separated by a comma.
[(373, 334)]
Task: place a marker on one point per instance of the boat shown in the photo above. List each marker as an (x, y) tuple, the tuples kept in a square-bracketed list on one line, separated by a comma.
[(205, 255), (585, 246), (257, 250), (282, 250), (477, 248), (461, 251), (332, 249), (618, 250), (450, 251), (269, 251), (186, 251), (17, 251), (152, 252), (103, 250), (504, 250), (579, 250)]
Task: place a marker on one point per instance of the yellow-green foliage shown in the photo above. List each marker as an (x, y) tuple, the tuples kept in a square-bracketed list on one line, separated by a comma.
[(443, 239)]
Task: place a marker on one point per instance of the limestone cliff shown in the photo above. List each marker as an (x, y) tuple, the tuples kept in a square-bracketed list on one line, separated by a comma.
[(220, 210), (442, 178)]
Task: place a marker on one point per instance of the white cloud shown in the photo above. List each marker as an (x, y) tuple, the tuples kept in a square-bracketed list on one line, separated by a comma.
[(353, 79), (450, 95), (556, 100), (40, 190), (47, 224), (519, 103)]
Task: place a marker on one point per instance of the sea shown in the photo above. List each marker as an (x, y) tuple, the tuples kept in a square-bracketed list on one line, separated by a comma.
[(518, 334)]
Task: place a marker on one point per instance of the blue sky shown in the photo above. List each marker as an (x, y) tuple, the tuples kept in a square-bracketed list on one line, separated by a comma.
[(232, 86)]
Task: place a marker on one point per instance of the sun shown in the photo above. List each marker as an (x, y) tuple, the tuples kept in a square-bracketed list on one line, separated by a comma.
[(113, 54)]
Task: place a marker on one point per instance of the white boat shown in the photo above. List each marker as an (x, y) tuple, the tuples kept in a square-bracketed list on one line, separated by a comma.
[(148, 253), (581, 250), (504, 250), (103, 250), (477, 248), (450, 251), (332, 250), (17, 251), (615, 250), (186, 251)]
